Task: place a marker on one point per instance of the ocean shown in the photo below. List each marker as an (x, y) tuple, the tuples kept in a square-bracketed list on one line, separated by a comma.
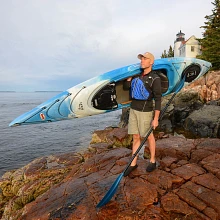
[(21, 145)]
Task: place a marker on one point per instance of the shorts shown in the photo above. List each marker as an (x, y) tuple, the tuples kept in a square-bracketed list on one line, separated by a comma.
[(139, 122)]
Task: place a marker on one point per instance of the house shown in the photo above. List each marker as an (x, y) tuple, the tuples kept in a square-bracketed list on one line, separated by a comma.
[(188, 48)]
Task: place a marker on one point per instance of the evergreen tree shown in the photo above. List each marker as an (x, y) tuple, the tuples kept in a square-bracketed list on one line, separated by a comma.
[(169, 54), (210, 43), (164, 54)]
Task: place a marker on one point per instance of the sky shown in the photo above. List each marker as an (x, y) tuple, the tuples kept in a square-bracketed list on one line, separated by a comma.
[(52, 45)]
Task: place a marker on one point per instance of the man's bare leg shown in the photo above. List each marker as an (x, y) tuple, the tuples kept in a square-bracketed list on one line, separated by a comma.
[(136, 144), (152, 147)]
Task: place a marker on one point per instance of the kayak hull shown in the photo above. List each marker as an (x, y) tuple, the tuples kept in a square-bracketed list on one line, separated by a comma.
[(105, 93)]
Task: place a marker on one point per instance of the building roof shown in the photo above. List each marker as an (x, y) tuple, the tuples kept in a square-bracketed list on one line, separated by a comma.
[(185, 42)]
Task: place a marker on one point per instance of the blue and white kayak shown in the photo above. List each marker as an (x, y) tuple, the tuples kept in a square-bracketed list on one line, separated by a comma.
[(105, 93)]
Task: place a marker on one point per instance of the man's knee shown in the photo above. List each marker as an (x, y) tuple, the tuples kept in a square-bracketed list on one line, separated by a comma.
[(136, 137)]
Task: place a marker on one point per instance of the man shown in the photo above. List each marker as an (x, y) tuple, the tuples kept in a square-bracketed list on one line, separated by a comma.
[(144, 89)]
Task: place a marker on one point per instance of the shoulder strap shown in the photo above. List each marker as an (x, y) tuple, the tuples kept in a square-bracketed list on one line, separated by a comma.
[(150, 79), (163, 78)]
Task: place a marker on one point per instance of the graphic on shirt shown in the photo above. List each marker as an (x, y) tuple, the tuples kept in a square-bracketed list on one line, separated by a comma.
[(138, 90)]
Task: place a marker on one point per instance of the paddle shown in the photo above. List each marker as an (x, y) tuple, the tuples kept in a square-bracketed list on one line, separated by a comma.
[(115, 185)]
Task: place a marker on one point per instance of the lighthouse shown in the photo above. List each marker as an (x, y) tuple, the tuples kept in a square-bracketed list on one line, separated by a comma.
[(180, 37)]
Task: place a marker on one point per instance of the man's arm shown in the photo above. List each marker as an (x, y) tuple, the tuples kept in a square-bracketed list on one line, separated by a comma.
[(155, 121), (127, 84)]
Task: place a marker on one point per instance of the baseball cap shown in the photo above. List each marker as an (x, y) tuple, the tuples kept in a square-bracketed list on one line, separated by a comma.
[(147, 55)]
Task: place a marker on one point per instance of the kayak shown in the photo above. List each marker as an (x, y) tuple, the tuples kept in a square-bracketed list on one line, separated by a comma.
[(104, 93)]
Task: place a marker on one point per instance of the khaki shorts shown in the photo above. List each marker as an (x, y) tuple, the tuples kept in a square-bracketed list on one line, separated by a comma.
[(139, 122)]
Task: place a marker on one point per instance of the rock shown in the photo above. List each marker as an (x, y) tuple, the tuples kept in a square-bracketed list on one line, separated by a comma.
[(190, 199), (167, 161), (175, 147), (209, 197), (212, 164), (204, 122), (69, 186), (192, 98), (171, 203), (187, 98), (118, 137), (26, 184), (188, 171), (208, 180), (185, 103), (208, 86), (198, 155), (166, 125)]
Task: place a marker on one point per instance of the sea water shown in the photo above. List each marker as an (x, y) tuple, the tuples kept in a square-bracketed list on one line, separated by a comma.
[(22, 144)]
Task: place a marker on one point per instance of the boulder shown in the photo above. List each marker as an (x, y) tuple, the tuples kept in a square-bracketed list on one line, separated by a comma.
[(204, 122)]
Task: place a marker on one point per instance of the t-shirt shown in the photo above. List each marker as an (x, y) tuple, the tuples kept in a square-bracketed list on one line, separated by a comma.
[(153, 84)]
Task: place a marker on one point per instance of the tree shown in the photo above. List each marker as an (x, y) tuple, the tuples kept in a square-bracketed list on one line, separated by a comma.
[(164, 54), (169, 54), (210, 43)]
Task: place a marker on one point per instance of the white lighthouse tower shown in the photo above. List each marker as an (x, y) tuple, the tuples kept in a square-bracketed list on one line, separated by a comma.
[(180, 37)]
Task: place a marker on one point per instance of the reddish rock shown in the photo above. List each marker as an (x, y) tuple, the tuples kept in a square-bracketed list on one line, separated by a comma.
[(99, 147), (171, 203), (199, 154), (163, 179), (188, 171), (207, 86), (209, 144), (209, 197), (208, 180), (192, 200), (176, 147), (211, 213), (115, 136), (69, 186), (212, 163), (180, 209), (139, 193), (182, 162), (167, 161)]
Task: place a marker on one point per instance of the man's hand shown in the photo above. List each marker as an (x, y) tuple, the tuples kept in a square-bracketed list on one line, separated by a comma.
[(154, 123)]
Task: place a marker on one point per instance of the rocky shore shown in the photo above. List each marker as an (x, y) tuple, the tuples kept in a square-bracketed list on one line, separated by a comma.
[(186, 184)]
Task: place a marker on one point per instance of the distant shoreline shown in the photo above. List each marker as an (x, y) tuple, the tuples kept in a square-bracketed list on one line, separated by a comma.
[(47, 91), (7, 91), (29, 92)]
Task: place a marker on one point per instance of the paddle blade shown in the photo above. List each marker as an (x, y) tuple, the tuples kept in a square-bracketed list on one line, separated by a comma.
[(111, 192)]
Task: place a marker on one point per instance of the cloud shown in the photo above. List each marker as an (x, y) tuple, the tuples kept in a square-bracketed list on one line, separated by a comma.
[(70, 41)]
